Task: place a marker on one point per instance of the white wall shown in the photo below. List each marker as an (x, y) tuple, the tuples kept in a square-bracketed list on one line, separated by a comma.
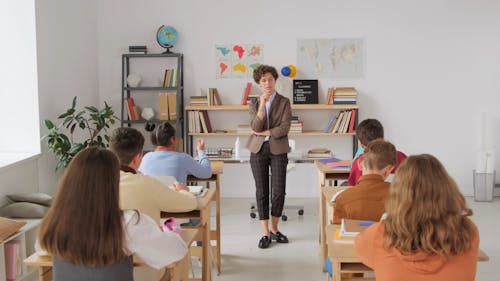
[(431, 66)]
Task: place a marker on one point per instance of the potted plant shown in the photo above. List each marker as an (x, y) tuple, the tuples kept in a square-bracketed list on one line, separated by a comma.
[(91, 123)]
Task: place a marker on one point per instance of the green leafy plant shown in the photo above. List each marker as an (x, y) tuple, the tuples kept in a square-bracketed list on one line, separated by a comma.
[(91, 122)]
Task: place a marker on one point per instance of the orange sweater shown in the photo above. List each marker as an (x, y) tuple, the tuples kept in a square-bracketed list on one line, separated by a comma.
[(393, 265), (365, 201)]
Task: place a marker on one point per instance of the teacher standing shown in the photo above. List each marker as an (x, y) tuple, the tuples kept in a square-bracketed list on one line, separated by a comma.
[(271, 115)]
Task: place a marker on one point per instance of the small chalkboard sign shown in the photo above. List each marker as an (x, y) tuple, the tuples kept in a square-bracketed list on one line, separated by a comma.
[(305, 91)]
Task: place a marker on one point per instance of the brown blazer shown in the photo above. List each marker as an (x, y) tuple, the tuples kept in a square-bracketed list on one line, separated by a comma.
[(280, 117)]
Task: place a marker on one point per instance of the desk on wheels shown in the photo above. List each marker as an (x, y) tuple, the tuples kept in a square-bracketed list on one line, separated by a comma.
[(177, 273), (217, 169)]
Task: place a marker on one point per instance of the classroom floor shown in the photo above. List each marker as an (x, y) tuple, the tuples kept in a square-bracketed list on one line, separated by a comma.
[(242, 260)]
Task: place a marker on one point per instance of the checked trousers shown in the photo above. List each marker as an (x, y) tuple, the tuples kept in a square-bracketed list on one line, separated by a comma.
[(260, 163)]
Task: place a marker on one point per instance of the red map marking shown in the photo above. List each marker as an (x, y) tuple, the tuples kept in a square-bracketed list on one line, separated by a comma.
[(240, 50), (222, 67)]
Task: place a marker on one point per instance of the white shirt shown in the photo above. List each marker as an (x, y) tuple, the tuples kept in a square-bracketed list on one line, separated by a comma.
[(268, 107), (145, 240)]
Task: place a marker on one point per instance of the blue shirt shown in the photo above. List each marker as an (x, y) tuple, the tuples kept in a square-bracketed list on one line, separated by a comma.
[(176, 164)]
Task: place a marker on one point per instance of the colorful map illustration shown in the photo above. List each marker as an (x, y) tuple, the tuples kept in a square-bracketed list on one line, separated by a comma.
[(331, 58), (237, 60)]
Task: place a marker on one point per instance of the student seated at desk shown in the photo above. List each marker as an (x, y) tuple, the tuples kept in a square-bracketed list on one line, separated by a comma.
[(427, 233), (166, 161), (367, 131), (89, 236), (141, 192), (366, 200)]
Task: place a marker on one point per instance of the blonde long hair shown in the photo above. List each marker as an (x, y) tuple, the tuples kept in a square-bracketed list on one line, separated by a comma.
[(84, 224), (426, 211)]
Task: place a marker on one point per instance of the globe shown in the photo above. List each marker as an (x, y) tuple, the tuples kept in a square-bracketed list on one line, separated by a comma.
[(166, 37)]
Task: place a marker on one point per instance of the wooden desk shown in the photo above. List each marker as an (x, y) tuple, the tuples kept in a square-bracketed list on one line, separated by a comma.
[(177, 272), (344, 260), (202, 212), (217, 169), (326, 195), (325, 174)]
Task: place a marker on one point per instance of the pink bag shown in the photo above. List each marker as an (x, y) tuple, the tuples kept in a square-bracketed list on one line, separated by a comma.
[(171, 224)]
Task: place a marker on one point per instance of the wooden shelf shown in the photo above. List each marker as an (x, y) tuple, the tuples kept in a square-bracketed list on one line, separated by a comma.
[(305, 133), (294, 106)]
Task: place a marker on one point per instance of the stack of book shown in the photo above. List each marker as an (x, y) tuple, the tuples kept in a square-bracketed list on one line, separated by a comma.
[(198, 100), (141, 49), (341, 123), (296, 125), (347, 95), (170, 79), (243, 128), (319, 153), (219, 152)]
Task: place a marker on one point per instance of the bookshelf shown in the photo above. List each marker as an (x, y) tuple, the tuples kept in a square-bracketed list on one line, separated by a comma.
[(297, 109), (151, 68), (25, 238)]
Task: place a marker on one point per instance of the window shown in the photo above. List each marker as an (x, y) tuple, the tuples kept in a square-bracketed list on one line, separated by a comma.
[(19, 113)]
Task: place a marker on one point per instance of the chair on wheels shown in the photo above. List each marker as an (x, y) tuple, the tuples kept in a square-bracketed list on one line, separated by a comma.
[(289, 167)]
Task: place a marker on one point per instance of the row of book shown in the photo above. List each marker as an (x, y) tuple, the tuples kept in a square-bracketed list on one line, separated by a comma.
[(212, 98), (167, 106), (341, 123), (199, 122), (296, 125), (345, 95), (170, 79)]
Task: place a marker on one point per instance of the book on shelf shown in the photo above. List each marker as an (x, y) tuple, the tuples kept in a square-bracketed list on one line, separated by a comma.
[(328, 125), (163, 106), (338, 121), (166, 79), (203, 123), (331, 93), (208, 124), (213, 97), (130, 109), (246, 93), (352, 121), (137, 112), (305, 91), (172, 105)]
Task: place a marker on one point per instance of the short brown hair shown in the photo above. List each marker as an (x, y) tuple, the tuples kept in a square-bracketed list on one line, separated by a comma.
[(379, 154), (426, 211), (127, 143), (84, 224), (263, 69), (368, 130)]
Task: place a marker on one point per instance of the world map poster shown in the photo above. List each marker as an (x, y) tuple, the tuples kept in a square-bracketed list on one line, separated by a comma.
[(331, 58), (237, 60)]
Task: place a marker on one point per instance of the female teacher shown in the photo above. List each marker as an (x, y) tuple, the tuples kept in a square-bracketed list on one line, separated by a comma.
[(271, 115)]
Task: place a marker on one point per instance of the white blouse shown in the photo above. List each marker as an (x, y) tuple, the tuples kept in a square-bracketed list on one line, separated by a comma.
[(145, 240)]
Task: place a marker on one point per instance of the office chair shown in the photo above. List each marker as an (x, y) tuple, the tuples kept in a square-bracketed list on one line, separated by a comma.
[(289, 167)]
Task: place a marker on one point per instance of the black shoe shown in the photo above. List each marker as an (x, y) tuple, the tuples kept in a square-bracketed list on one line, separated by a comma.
[(279, 237), (264, 242)]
